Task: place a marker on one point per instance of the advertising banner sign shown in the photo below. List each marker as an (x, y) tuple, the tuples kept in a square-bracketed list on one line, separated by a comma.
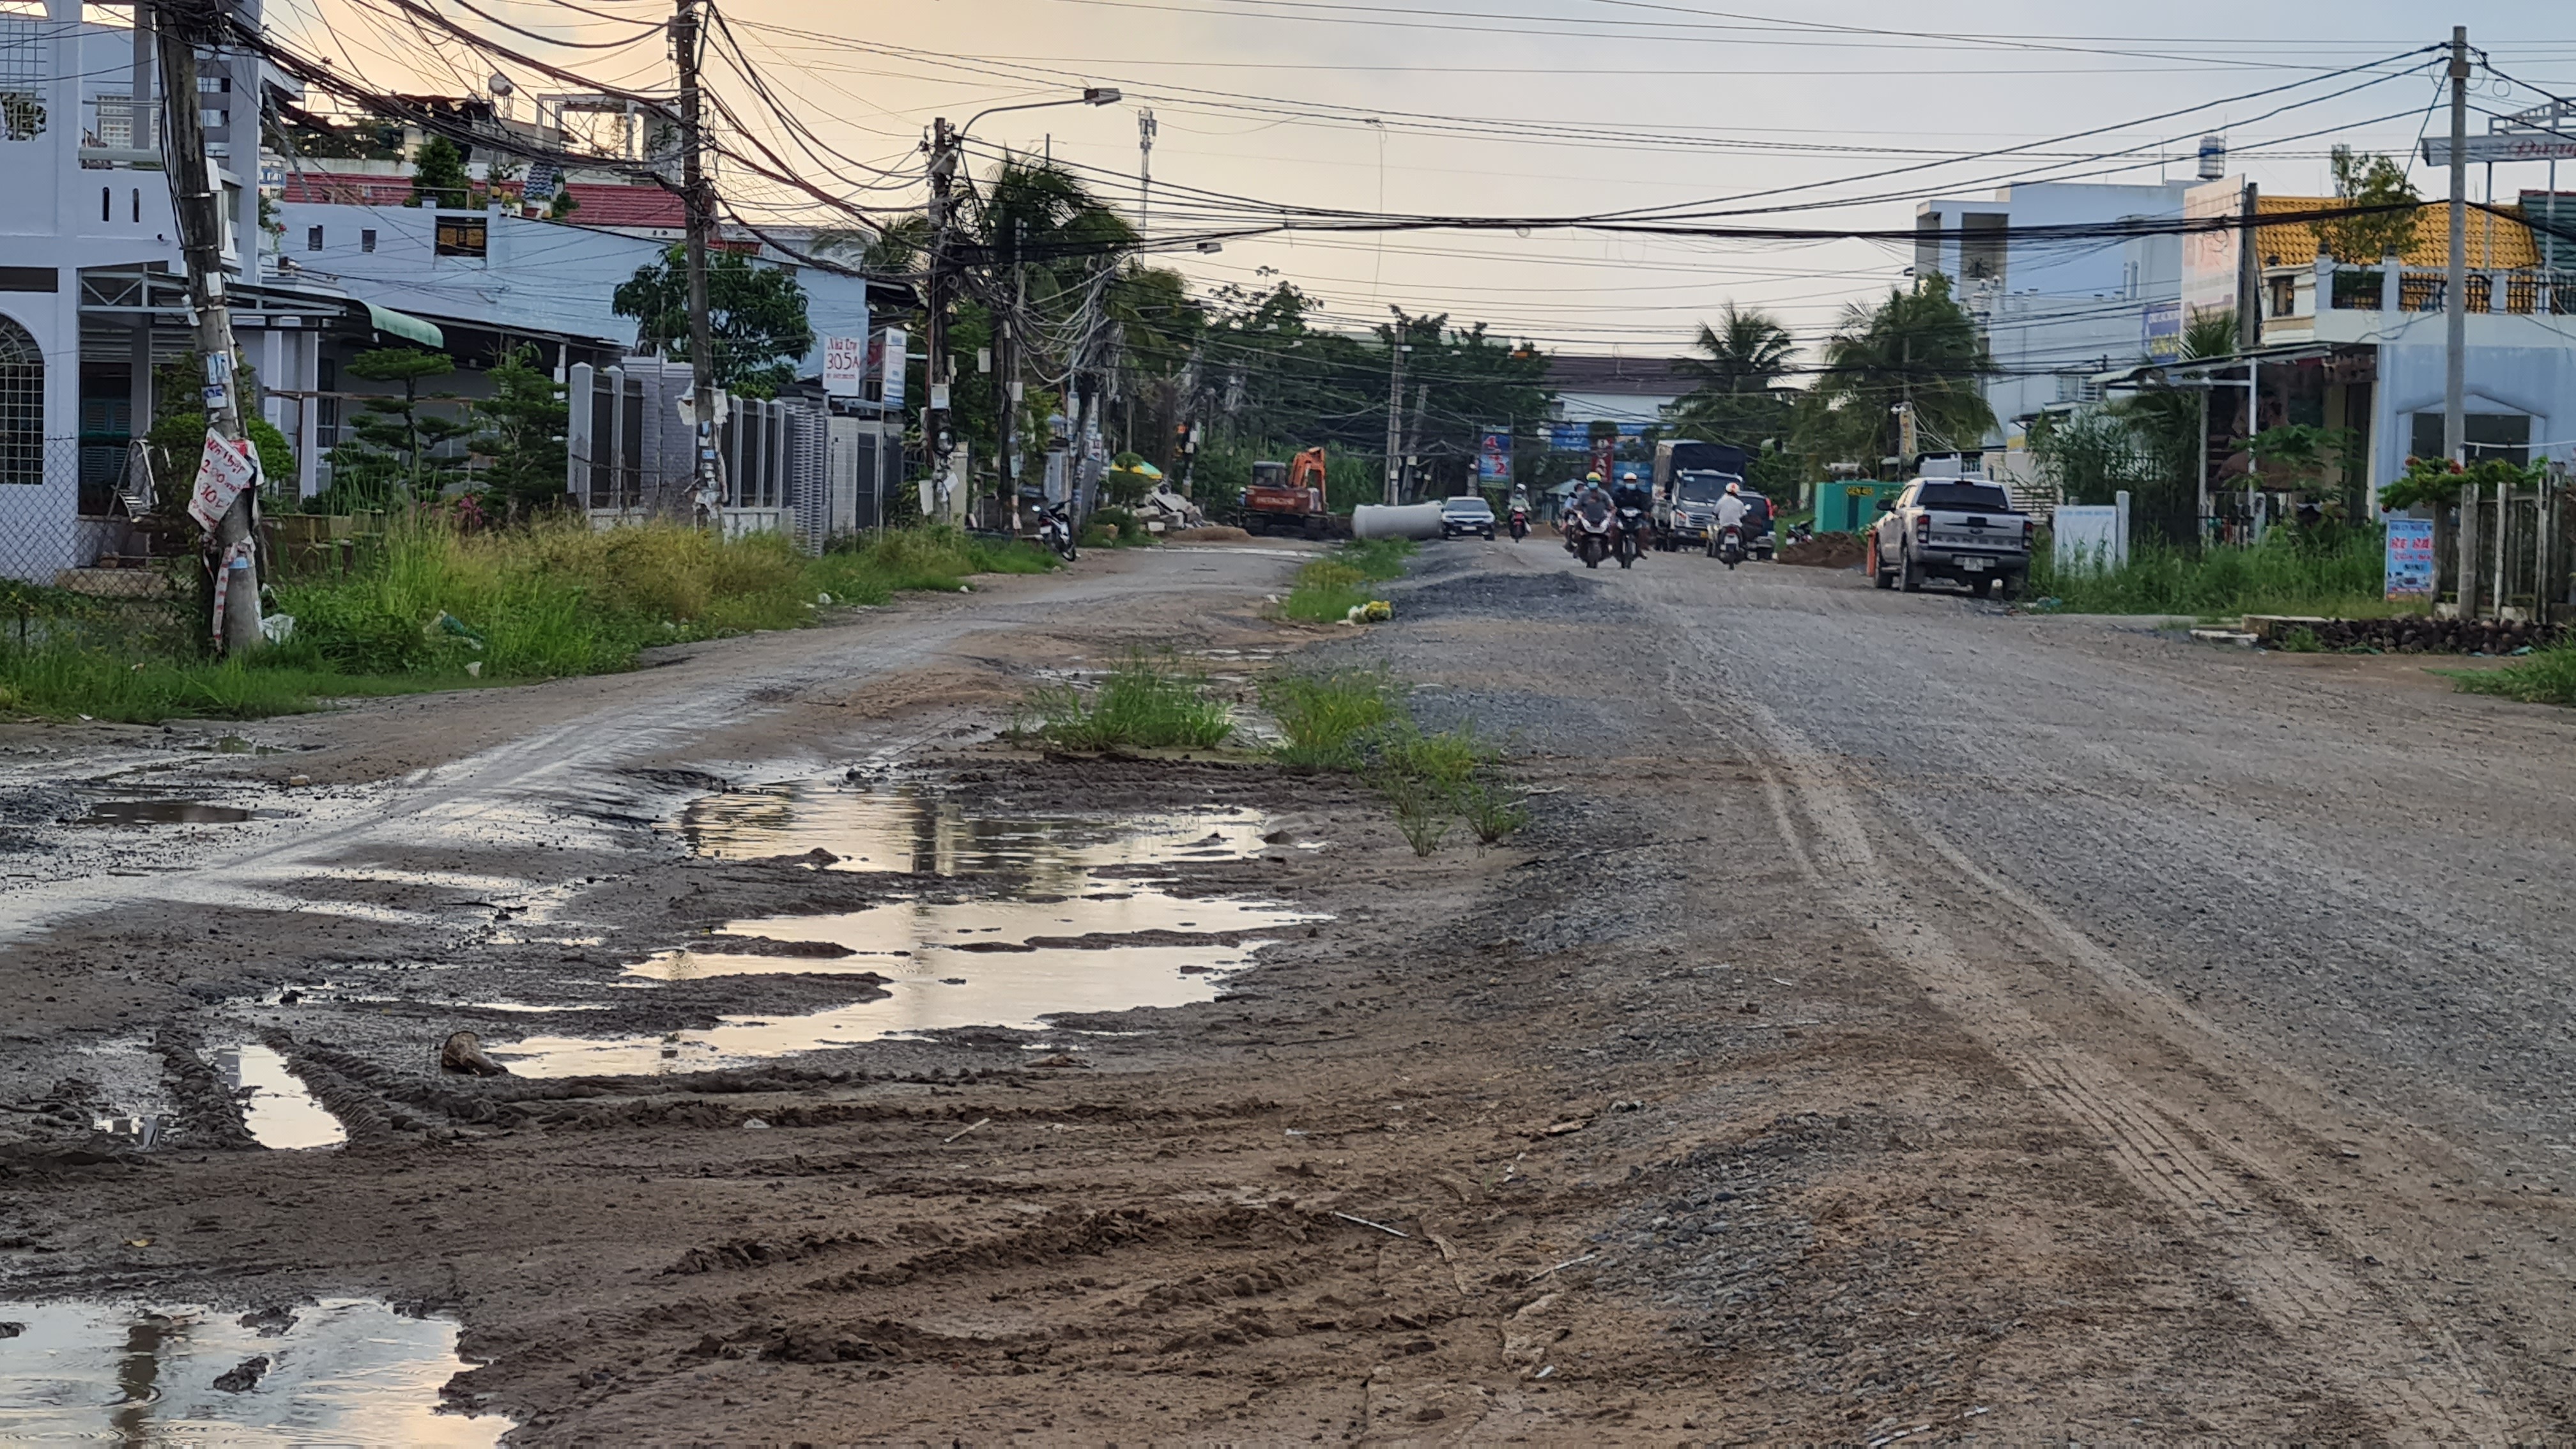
[(2410, 558), (1494, 456)]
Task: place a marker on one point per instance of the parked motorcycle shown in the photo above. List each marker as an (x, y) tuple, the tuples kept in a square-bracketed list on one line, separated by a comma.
[(1594, 525), (1632, 527), (1727, 545), (1520, 524), (1055, 530)]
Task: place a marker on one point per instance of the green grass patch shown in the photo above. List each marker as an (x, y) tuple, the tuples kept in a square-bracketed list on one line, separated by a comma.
[(1145, 703), (427, 606), (72, 681), (1323, 718), (2287, 574), (2546, 676), (1355, 719), (1328, 589)]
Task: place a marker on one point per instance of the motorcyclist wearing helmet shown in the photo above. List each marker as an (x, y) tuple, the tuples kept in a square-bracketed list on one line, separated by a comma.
[(1632, 494), (1731, 509), (1574, 506)]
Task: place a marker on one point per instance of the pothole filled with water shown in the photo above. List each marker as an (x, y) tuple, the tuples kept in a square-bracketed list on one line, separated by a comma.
[(1065, 938), (276, 1106), (341, 1371)]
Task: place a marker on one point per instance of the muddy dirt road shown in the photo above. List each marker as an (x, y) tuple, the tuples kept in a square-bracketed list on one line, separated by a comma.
[(1901, 1020)]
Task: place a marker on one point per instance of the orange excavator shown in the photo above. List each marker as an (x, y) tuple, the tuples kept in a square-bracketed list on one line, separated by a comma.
[(1287, 497)]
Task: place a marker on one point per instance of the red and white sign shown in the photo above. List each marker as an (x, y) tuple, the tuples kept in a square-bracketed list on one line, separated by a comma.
[(228, 467), (845, 366)]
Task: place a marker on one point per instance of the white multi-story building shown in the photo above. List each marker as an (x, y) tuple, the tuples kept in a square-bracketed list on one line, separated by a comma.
[(2055, 311)]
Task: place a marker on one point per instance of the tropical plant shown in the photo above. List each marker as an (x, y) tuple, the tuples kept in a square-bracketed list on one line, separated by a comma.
[(755, 315), (2437, 481), (1919, 348)]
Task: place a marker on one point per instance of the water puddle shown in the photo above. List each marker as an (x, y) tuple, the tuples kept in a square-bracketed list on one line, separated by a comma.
[(276, 1106), (342, 1371), (904, 830), (169, 812), (1066, 941)]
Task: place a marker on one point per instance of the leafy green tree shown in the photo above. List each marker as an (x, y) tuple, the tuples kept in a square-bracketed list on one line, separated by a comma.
[(756, 318), (523, 428), (396, 444), (438, 175), (2370, 180), (1920, 347)]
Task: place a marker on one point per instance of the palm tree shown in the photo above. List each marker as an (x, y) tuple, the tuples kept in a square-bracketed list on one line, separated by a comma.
[(1917, 347), (1748, 353)]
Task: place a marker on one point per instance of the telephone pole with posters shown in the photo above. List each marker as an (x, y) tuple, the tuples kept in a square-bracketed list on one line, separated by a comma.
[(180, 26)]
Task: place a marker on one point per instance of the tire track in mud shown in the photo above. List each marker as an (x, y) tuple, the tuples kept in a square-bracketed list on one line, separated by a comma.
[(2382, 1349)]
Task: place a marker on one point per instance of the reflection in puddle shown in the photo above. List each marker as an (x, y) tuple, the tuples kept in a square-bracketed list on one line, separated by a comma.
[(276, 1107), (900, 830), (1007, 963), (1012, 990), (346, 1371), (167, 812)]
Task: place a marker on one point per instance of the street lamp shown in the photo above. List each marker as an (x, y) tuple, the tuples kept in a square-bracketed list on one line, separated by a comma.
[(1091, 96)]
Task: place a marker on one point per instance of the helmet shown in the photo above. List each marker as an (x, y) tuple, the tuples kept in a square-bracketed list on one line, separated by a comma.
[(1628, 477), (1734, 489), (1592, 477)]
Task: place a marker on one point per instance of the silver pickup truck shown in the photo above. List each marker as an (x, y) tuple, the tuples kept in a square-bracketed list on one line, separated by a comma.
[(1961, 529)]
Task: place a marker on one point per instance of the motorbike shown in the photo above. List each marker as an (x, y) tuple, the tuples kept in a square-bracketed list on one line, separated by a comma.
[(1520, 524), (1632, 526), (1727, 545), (1593, 525), (1055, 530)]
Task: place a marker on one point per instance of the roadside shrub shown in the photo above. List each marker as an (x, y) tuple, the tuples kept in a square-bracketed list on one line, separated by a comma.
[(1493, 810), (2340, 576), (1144, 703), (1378, 558)]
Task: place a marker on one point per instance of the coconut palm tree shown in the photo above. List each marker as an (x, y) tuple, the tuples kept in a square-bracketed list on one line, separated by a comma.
[(1747, 352), (1919, 347)]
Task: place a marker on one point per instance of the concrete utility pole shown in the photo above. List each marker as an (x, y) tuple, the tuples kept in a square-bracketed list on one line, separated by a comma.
[(1395, 415), (201, 243), (1006, 374), (694, 193), (936, 442), (2455, 282)]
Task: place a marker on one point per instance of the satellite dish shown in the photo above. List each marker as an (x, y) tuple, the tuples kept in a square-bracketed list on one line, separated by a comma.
[(500, 84)]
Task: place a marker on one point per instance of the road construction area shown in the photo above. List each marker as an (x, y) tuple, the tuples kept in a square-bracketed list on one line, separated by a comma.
[(1902, 1019)]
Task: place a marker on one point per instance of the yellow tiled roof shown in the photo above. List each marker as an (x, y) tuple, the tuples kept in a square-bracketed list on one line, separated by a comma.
[(2496, 243)]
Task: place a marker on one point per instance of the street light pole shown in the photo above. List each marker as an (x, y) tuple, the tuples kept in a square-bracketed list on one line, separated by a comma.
[(946, 145), (2455, 282)]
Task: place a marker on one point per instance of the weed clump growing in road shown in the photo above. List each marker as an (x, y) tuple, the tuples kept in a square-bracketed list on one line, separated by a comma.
[(1355, 719), (1145, 703), (1323, 717), (1327, 589)]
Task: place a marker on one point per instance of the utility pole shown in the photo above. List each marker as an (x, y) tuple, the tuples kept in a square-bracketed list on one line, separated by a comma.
[(2455, 282), (936, 443), (1395, 413), (201, 243), (1145, 129), (694, 194), (1006, 373)]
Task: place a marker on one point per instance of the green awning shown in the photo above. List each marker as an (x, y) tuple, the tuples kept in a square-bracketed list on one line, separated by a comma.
[(403, 324)]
